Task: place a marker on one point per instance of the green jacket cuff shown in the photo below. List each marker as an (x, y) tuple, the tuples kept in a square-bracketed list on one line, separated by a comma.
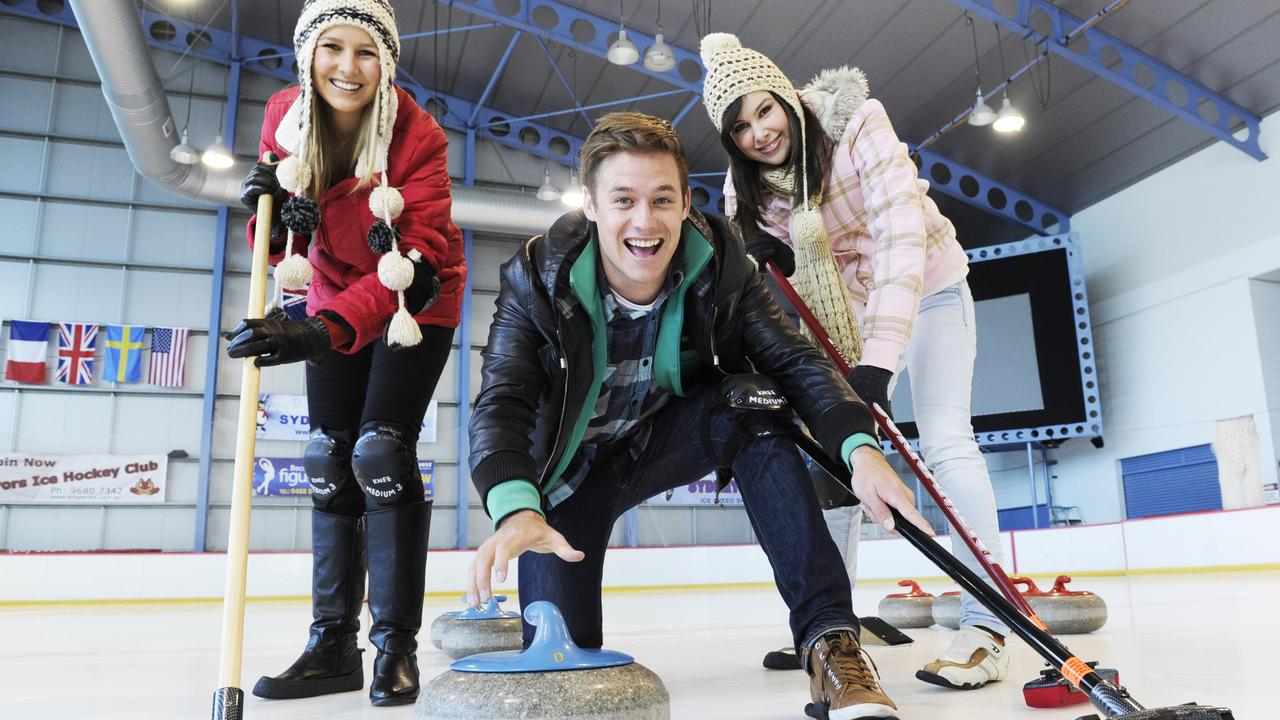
[(851, 443), (513, 496)]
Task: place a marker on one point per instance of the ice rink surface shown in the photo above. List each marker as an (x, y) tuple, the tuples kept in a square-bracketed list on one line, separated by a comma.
[(1208, 637)]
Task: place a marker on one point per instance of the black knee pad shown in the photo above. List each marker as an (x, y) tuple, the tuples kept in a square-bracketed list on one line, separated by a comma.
[(327, 459), (386, 464)]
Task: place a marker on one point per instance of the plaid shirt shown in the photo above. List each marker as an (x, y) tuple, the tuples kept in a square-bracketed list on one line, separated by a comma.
[(890, 241), (628, 396)]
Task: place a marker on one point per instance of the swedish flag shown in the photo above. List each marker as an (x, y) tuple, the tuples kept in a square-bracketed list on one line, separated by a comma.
[(124, 353)]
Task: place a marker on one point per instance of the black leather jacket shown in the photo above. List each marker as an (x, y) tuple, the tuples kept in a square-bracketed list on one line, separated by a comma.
[(537, 366)]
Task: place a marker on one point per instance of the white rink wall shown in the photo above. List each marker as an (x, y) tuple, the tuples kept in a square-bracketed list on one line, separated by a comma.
[(1229, 539)]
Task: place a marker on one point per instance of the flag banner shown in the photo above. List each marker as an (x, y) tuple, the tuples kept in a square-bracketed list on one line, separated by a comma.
[(284, 477), (28, 345), (124, 353), (295, 303), (76, 345), (699, 492), (82, 478), (284, 417), (168, 357)]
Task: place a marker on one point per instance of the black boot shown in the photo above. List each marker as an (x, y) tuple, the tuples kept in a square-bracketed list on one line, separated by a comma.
[(397, 578), (331, 661)]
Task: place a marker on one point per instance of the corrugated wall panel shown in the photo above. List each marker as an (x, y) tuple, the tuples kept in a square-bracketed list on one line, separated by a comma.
[(1171, 482)]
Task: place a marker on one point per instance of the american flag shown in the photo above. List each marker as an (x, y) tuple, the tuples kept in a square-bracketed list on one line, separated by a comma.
[(168, 357), (76, 343)]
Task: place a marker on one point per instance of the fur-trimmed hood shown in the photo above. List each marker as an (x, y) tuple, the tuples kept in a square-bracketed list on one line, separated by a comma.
[(833, 96)]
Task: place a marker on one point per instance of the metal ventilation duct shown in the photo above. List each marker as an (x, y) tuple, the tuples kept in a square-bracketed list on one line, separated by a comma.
[(138, 103)]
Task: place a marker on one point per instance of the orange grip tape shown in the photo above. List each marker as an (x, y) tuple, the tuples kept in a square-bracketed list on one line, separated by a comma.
[(1075, 669)]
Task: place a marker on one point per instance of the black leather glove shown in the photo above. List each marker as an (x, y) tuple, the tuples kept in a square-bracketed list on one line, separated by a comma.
[(767, 247), (872, 385), (277, 340), (424, 290), (262, 181)]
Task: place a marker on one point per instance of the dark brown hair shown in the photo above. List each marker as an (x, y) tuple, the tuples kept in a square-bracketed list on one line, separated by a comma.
[(746, 172), (631, 132)]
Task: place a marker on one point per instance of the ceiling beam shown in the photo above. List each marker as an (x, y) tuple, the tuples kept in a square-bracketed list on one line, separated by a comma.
[(583, 31), (1040, 21), (455, 113), (586, 32), (984, 193)]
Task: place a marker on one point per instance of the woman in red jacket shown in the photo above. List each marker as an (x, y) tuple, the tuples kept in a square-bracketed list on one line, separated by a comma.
[(363, 214)]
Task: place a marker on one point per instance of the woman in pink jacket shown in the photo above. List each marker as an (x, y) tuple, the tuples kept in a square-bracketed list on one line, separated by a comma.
[(362, 220), (822, 170)]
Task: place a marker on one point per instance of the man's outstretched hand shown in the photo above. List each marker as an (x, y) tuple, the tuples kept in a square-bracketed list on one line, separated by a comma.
[(879, 488), (525, 530)]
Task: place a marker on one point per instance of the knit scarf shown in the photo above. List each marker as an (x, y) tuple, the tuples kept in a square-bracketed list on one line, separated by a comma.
[(817, 277)]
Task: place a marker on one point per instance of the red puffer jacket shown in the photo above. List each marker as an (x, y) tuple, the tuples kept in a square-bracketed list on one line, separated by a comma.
[(345, 280)]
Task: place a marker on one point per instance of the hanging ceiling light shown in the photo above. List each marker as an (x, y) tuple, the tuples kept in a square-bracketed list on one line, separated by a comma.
[(572, 195), (982, 113), (1008, 120), (659, 57), (217, 156), (183, 152), (547, 191), (622, 51)]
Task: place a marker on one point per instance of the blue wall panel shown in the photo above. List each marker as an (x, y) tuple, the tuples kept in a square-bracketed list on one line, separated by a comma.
[(1019, 518), (1171, 482)]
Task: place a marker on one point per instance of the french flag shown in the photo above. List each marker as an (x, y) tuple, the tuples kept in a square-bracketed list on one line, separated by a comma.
[(28, 346)]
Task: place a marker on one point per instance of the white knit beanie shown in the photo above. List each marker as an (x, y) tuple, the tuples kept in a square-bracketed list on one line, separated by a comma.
[(733, 71)]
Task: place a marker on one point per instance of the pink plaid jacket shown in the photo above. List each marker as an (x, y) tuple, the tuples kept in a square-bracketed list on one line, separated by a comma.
[(891, 243)]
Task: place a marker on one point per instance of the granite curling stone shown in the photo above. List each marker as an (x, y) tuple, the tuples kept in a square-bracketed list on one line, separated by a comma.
[(446, 619), (911, 609), (1065, 612), (478, 630), (553, 678), (946, 610)]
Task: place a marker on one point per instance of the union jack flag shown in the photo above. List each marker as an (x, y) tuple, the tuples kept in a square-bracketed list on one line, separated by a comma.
[(76, 344), (168, 357), (295, 303)]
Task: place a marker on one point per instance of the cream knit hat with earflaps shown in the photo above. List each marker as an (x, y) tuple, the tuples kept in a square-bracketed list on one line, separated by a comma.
[(300, 213), (731, 72)]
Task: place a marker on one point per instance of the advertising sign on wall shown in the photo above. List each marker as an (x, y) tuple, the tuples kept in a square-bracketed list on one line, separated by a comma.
[(287, 477), (82, 478), (285, 417), (699, 492)]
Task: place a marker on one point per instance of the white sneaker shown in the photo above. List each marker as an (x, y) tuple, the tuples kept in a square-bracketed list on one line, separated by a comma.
[(975, 658)]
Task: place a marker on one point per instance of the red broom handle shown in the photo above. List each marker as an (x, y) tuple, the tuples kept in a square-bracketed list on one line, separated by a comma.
[(971, 539)]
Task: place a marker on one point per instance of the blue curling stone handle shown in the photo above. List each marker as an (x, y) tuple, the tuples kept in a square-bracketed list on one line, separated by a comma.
[(456, 613), (489, 611), (551, 650)]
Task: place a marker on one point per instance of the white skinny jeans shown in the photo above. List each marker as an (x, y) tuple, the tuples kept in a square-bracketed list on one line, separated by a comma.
[(940, 360)]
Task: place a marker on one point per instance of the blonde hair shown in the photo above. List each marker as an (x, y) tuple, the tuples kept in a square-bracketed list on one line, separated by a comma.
[(323, 138)]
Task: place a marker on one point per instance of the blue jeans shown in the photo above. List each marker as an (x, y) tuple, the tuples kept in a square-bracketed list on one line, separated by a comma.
[(776, 491)]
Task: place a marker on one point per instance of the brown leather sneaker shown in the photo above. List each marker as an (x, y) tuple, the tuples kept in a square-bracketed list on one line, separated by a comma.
[(843, 681)]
